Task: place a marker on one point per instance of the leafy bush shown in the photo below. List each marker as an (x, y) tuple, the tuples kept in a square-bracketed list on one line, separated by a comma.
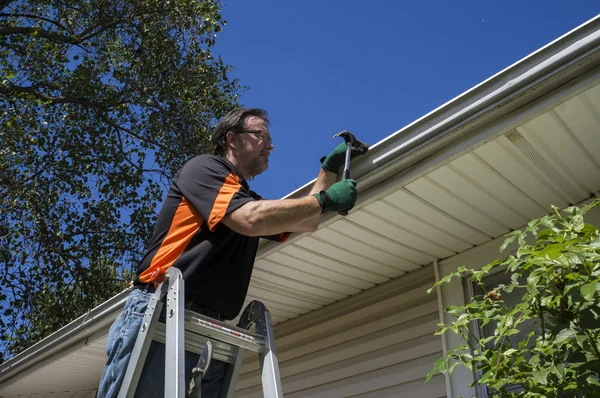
[(556, 267)]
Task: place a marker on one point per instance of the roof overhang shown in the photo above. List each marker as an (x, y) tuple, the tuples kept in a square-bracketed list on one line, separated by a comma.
[(473, 169)]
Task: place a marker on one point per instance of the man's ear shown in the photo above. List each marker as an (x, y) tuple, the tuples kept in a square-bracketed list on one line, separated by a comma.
[(231, 141)]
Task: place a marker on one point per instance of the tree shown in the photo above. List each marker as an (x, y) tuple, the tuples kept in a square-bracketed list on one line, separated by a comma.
[(556, 268), (101, 101)]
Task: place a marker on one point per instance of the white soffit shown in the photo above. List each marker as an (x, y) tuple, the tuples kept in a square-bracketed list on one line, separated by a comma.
[(499, 186), (75, 375)]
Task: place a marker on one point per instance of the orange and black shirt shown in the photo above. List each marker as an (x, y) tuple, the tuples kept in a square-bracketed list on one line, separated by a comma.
[(216, 262)]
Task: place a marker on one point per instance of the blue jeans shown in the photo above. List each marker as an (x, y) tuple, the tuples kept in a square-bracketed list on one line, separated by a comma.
[(120, 342)]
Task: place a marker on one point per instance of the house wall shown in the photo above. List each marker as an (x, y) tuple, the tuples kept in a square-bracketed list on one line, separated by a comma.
[(379, 343)]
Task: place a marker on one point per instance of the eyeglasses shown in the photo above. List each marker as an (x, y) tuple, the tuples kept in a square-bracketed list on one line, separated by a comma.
[(263, 136)]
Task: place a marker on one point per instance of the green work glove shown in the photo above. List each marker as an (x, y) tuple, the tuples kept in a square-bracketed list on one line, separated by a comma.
[(341, 196), (336, 158)]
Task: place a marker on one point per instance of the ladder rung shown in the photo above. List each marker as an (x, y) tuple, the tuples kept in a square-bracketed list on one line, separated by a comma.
[(195, 343), (221, 331)]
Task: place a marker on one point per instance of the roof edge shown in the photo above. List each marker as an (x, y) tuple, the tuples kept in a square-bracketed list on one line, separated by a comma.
[(78, 330)]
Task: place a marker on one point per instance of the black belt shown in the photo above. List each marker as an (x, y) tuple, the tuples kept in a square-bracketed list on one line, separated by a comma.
[(189, 304), (147, 287)]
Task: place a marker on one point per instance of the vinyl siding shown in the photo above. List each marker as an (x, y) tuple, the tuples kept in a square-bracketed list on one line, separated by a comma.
[(378, 343)]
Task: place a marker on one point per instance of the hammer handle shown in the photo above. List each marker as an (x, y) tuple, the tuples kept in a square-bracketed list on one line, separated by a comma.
[(346, 172)]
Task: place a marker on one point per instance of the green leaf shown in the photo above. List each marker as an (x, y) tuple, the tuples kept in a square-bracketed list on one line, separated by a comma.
[(581, 339), (532, 281), (441, 330), (564, 335), (431, 373), (519, 234), (523, 251), (552, 251), (578, 223), (507, 242), (452, 309), (486, 268), (540, 377), (545, 235), (510, 351), (588, 291), (593, 381), (558, 370), (595, 243), (452, 367), (590, 318)]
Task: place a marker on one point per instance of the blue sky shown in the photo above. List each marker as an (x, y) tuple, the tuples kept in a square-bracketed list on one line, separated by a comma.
[(320, 67)]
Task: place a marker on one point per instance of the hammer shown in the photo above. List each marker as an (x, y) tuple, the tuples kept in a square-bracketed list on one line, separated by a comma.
[(351, 141)]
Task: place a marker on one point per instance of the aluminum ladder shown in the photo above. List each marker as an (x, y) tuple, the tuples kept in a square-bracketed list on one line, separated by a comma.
[(203, 335)]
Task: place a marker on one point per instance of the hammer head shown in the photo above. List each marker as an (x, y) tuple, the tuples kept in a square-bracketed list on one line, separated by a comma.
[(349, 138)]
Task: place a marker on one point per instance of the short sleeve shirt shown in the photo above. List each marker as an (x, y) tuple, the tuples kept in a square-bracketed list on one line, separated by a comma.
[(216, 262)]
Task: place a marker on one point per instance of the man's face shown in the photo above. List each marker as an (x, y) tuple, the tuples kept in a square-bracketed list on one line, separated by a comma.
[(253, 147)]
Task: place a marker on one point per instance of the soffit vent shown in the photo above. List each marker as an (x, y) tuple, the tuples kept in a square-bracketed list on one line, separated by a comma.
[(525, 147)]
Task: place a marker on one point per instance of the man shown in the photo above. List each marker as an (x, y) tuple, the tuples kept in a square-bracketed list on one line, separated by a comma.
[(209, 227)]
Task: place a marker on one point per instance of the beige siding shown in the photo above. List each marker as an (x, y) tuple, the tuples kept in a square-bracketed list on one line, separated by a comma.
[(378, 343)]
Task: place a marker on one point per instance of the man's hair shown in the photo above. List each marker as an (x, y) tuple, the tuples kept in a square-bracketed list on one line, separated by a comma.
[(233, 121)]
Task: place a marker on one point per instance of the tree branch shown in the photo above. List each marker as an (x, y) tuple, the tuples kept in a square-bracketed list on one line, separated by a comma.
[(6, 89), (89, 32), (6, 181), (69, 6), (22, 30), (67, 39), (130, 132), (84, 35), (592, 341), (33, 17), (5, 3)]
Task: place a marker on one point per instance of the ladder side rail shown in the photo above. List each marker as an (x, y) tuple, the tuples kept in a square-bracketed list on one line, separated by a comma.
[(231, 375), (174, 346), (142, 343), (269, 365)]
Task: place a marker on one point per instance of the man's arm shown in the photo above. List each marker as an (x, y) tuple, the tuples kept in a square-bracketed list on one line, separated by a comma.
[(271, 217)]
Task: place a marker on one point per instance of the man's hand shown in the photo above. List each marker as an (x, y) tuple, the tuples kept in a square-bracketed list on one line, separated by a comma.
[(336, 158), (341, 196)]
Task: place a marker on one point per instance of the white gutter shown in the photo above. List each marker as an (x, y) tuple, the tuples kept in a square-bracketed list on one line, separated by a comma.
[(77, 331), (554, 65)]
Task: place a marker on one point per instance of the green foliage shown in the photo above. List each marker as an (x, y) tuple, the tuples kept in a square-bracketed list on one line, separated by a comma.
[(548, 343), (100, 104)]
